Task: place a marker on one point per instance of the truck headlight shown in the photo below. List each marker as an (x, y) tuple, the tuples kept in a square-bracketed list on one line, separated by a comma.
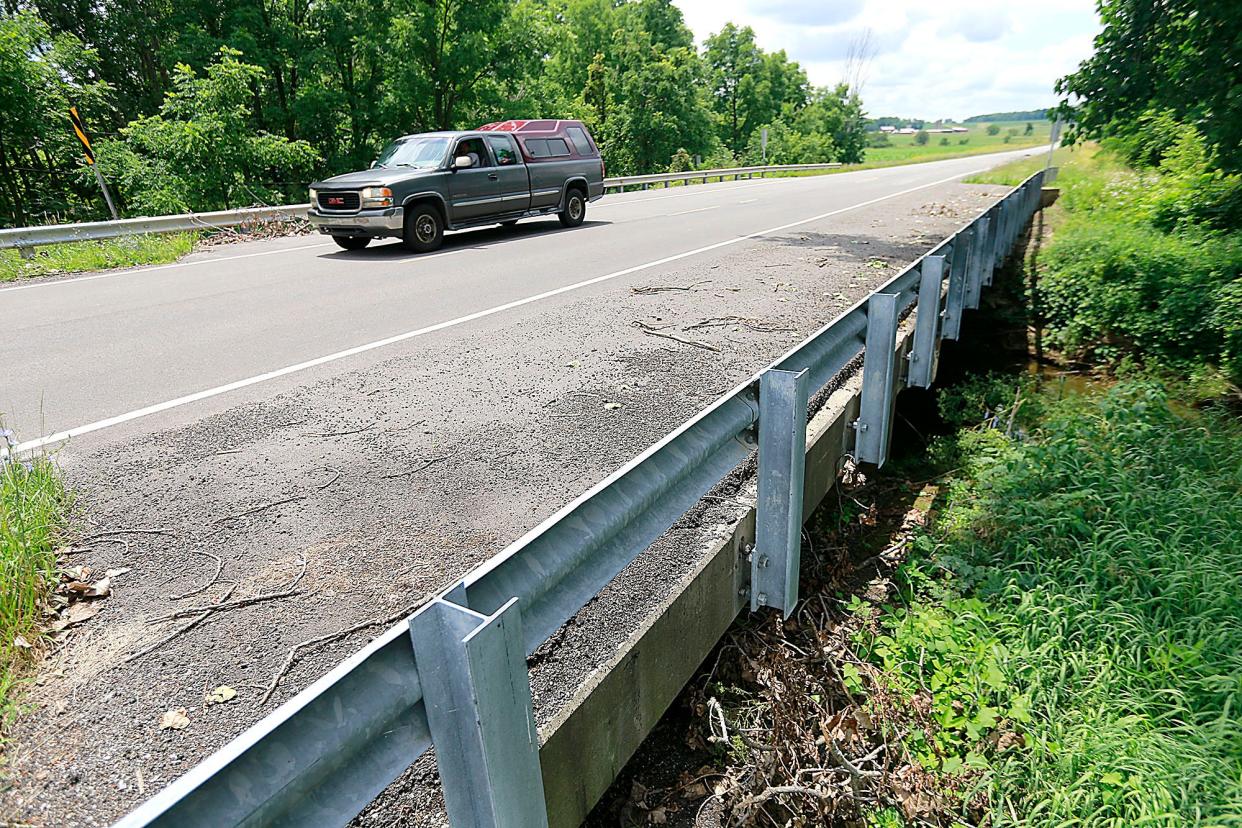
[(314, 197), (373, 197)]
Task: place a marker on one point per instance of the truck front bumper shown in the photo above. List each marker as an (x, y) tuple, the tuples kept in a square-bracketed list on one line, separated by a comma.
[(374, 223)]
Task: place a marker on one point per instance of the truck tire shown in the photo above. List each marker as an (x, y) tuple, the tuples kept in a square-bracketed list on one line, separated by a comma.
[(352, 242), (575, 208), (424, 229)]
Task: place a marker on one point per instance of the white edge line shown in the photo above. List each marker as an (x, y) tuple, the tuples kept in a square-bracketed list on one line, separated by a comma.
[(61, 436)]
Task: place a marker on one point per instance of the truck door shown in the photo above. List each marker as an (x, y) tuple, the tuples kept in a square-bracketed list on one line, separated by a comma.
[(514, 179), (474, 192)]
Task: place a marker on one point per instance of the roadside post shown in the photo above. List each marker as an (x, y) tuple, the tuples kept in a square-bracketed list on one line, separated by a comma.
[(80, 130)]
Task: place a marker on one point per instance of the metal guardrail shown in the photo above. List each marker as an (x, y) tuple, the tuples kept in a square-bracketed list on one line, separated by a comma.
[(645, 181), (26, 239), (454, 673)]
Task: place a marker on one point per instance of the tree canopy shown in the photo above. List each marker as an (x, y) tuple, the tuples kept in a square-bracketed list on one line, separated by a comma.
[(1157, 65)]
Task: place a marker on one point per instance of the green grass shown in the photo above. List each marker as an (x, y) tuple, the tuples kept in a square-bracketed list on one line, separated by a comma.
[(34, 507), (905, 150), (1015, 172), (80, 257), (1082, 593)]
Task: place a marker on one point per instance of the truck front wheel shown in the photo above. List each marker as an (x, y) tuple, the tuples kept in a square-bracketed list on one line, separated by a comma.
[(424, 228), (575, 209)]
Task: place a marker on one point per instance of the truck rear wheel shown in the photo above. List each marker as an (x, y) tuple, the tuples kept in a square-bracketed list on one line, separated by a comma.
[(424, 229), (575, 208), (352, 242)]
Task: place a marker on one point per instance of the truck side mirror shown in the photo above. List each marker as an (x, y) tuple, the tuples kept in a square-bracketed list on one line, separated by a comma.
[(375, 163), (462, 162)]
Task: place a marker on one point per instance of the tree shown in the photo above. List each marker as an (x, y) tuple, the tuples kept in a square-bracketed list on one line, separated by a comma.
[(1179, 58), (993, 129), (202, 151), (42, 74), (1030, 129), (921, 137)]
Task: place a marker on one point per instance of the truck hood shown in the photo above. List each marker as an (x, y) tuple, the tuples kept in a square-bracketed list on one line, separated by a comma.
[(379, 177)]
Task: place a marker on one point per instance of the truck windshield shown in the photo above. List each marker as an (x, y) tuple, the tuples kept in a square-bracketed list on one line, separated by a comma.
[(414, 152)]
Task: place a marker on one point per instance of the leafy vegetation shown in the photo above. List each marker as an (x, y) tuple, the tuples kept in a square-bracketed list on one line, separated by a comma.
[(1146, 265), (80, 257), (1155, 68), (1071, 619), (33, 509), (213, 105)]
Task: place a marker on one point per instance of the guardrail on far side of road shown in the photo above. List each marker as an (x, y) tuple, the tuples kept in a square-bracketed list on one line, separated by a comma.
[(26, 239)]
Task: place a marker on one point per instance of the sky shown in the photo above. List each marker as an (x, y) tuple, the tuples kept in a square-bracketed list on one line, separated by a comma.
[(933, 58)]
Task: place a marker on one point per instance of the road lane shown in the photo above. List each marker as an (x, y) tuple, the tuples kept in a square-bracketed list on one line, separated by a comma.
[(89, 353)]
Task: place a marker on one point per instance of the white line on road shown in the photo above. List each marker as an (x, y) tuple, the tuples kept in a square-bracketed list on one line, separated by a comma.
[(61, 436), (697, 210), (748, 200)]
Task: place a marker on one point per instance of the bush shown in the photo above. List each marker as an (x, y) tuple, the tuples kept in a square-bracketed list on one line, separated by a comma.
[(1112, 288), (944, 142), (1070, 650), (878, 139), (993, 129), (921, 137)]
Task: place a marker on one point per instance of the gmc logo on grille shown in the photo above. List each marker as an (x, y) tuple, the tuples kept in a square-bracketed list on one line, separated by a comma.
[(336, 201)]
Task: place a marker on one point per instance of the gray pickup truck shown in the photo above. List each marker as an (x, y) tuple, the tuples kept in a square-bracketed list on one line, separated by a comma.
[(422, 185)]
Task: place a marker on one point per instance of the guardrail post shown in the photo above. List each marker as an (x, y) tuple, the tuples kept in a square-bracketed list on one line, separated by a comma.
[(974, 281), (477, 695), (955, 302), (926, 324), (782, 472), (875, 411)]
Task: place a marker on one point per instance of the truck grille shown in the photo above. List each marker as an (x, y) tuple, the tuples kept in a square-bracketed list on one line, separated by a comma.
[(340, 202)]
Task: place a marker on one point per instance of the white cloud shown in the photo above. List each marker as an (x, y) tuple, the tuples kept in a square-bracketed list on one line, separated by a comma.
[(953, 58)]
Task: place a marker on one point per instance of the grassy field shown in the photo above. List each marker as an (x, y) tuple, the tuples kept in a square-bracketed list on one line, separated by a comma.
[(80, 257), (905, 150), (33, 518)]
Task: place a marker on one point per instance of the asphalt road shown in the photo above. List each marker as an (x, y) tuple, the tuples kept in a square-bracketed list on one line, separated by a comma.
[(479, 390), (157, 347)]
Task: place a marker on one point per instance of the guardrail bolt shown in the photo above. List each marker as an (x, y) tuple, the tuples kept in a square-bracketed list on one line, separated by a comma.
[(763, 561), (762, 598)]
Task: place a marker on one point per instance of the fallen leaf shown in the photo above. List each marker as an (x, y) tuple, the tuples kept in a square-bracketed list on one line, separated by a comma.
[(221, 694), (612, 406), (100, 589), (20, 641), (175, 719), (76, 614), (113, 573)]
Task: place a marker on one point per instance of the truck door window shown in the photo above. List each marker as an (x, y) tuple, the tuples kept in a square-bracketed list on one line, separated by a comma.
[(502, 145), (475, 148), (537, 147), (557, 147)]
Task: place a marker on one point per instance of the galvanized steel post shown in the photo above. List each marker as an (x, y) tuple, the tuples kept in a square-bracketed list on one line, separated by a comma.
[(782, 472), (477, 695), (974, 281), (922, 369), (955, 302), (875, 411)]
